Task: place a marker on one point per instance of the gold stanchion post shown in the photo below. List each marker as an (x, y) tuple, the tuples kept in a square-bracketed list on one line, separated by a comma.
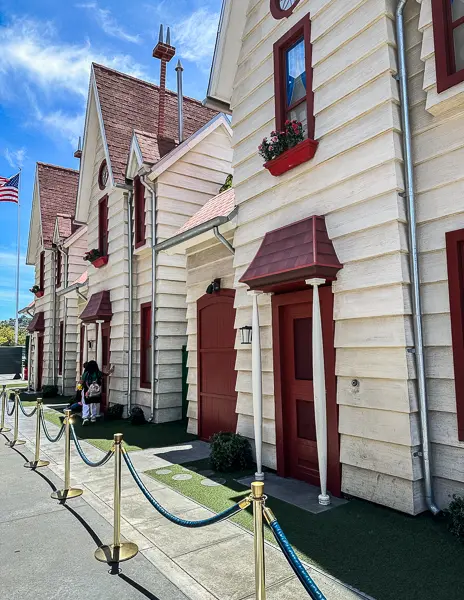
[(68, 491), (15, 441), (4, 429), (37, 463), (117, 551), (257, 492)]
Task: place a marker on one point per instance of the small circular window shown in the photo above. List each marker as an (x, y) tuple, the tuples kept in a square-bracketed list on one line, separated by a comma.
[(103, 175), (281, 9)]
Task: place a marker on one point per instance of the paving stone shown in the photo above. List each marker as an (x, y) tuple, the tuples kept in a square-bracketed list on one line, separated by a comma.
[(182, 477)]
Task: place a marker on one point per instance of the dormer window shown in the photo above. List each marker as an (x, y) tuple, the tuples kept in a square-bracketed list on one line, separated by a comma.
[(293, 78), (139, 210), (448, 28)]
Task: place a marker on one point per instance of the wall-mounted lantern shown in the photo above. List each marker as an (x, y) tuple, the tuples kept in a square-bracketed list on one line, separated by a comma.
[(214, 286), (246, 334)]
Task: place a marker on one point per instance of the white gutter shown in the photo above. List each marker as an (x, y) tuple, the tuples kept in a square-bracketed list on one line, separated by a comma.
[(65, 316), (414, 260)]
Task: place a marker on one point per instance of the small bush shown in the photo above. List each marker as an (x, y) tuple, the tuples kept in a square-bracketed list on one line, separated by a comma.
[(455, 514), (49, 391), (114, 412), (137, 416), (230, 452)]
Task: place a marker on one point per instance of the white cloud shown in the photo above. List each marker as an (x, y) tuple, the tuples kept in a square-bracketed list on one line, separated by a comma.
[(108, 23), (31, 52), (15, 158), (195, 36)]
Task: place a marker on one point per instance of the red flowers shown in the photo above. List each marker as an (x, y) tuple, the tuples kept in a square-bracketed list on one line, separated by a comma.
[(281, 140)]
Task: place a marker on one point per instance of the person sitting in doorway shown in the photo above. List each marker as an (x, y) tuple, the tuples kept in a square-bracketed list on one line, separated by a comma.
[(92, 380)]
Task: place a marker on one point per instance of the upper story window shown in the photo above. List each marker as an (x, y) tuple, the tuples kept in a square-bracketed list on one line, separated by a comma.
[(448, 28), (139, 209), (103, 226), (281, 9), (42, 271), (103, 175), (58, 269), (293, 78)]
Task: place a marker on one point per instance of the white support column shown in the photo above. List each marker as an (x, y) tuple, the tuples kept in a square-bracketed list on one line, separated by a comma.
[(36, 360), (99, 344), (29, 364), (257, 385), (320, 403), (85, 353)]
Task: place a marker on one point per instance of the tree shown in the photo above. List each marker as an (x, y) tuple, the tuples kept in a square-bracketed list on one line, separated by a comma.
[(7, 336), (7, 332)]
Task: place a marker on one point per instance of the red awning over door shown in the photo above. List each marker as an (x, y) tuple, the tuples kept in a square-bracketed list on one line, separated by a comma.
[(290, 255), (98, 308), (37, 323)]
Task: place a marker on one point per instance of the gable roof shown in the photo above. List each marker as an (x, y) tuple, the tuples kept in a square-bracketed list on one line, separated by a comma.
[(127, 103), (57, 187)]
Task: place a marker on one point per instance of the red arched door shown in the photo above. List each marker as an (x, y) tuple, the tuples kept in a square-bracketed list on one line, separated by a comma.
[(217, 398)]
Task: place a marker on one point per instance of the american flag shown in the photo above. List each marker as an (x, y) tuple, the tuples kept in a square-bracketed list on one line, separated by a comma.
[(9, 189)]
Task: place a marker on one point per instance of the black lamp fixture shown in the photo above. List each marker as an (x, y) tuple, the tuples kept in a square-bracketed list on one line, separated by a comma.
[(214, 286), (246, 334)]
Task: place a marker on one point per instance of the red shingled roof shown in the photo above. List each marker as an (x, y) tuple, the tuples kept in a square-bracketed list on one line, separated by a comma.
[(82, 279), (37, 323), (152, 147), (98, 308), (58, 195), (128, 103), (290, 255), (219, 206)]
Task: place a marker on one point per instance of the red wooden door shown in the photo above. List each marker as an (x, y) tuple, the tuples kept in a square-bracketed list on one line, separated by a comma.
[(295, 418), (105, 366), (217, 398), (40, 359)]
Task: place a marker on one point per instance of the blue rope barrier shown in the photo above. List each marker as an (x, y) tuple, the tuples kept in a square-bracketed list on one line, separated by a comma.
[(295, 562), (87, 461), (226, 514), (51, 439), (26, 414)]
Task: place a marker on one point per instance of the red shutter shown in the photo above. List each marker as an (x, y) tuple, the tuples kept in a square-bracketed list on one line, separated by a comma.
[(455, 258), (42, 271), (103, 226), (60, 349), (145, 345), (139, 205)]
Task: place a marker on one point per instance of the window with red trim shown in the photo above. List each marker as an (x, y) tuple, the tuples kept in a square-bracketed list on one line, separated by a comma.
[(60, 349), (455, 259), (42, 271), (139, 210), (448, 30), (58, 269), (145, 345), (103, 226), (293, 78)]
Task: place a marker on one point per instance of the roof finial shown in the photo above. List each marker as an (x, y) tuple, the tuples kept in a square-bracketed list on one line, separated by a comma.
[(161, 34), (168, 37), (78, 152)]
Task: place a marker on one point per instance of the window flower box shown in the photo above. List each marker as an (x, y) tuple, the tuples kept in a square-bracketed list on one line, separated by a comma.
[(292, 158), (100, 262), (38, 293)]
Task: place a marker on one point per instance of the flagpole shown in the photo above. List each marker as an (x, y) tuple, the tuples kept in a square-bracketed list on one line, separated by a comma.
[(17, 264)]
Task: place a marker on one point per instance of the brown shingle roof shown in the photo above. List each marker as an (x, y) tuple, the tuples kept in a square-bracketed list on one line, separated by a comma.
[(219, 206), (152, 147), (128, 103), (98, 308), (58, 195), (37, 323)]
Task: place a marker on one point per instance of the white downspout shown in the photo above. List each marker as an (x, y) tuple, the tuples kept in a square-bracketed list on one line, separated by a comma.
[(320, 401), (36, 360), (130, 243), (65, 317), (414, 261), (257, 386), (85, 353), (99, 353), (29, 365)]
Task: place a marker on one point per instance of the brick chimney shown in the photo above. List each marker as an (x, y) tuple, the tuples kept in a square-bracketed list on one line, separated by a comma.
[(165, 52)]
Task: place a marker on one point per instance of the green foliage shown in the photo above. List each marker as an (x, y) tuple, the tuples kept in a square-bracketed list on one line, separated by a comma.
[(455, 514), (49, 391), (228, 184), (7, 337), (114, 412), (92, 255), (137, 416), (230, 452)]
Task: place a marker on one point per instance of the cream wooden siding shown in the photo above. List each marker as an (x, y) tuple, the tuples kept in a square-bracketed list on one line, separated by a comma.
[(205, 262), (113, 277), (438, 145), (355, 179), (76, 266), (180, 192)]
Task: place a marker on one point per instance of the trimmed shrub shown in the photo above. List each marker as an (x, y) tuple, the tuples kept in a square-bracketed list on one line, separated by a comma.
[(455, 514), (49, 391), (230, 452), (137, 416), (114, 412)]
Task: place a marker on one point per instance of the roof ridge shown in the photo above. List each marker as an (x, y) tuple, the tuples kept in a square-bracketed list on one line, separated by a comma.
[(43, 164), (148, 83)]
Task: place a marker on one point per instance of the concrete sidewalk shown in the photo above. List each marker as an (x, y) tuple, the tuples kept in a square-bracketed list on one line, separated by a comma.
[(213, 563)]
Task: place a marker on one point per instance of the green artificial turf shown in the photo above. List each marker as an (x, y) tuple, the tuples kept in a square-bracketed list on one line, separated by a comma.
[(136, 437), (386, 554)]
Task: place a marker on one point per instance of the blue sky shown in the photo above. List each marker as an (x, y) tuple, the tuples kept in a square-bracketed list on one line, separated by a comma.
[(46, 49)]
